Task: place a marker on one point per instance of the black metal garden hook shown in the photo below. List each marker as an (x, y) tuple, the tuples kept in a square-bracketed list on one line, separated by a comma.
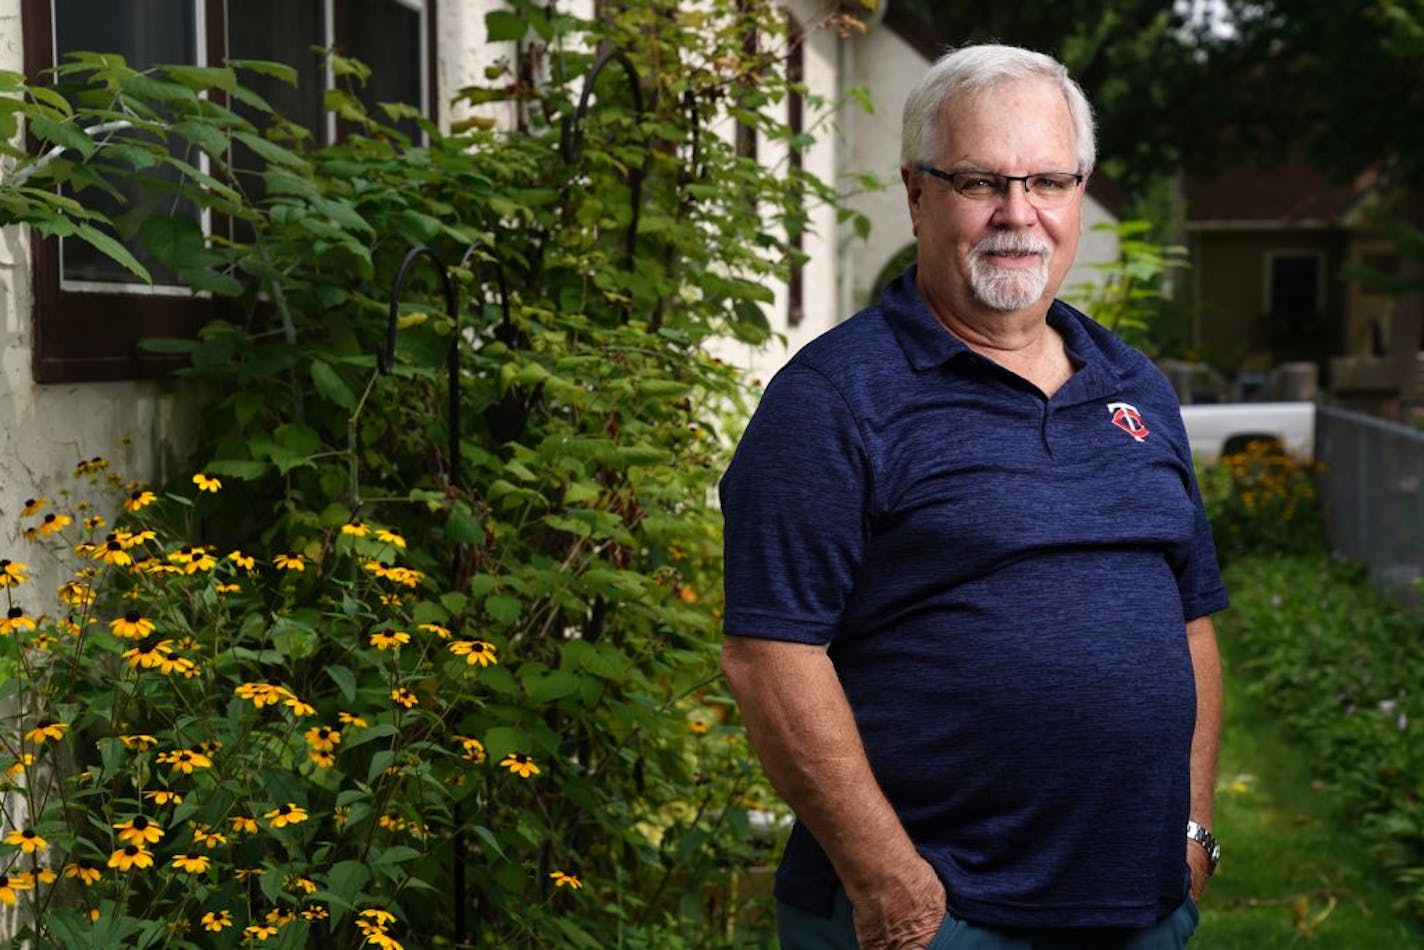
[(385, 359), (571, 136)]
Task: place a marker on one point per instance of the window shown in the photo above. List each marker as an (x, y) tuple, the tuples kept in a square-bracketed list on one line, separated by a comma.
[(89, 314)]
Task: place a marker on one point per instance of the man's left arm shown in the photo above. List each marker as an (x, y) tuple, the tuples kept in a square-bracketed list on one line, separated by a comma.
[(1206, 667)]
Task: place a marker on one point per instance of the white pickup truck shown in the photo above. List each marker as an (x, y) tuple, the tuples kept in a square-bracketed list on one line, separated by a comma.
[(1221, 428)]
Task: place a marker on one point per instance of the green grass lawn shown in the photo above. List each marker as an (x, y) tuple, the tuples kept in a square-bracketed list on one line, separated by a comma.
[(1293, 874)]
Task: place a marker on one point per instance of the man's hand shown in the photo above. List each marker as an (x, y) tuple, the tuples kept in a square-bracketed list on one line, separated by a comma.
[(1196, 860), (902, 918)]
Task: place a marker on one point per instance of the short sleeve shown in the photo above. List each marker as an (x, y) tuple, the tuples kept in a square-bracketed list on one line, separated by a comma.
[(796, 503)]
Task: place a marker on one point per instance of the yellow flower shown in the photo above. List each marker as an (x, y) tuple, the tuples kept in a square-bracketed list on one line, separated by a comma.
[(562, 879), (91, 467), (474, 651), (15, 621), (54, 523), (356, 529), (520, 764), (390, 537), (131, 626), (133, 540), (191, 862), (43, 876), (290, 562), (33, 506), (263, 694), (281, 916), (94, 522), (17, 768), (435, 628), (162, 796), (391, 822), (698, 725), (75, 594), (375, 917), (138, 742), (217, 921), (207, 483), (244, 561), (139, 499), (284, 815), (323, 737), (474, 749), (112, 552), (9, 884), (12, 572), (193, 559), (243, 874), (296, 883), (131, 856), (315, 912), (209, 839), (347, 719), (185, 760), (149, 653), (299, 708), (404, 697), (83, 870), (139, 830), (389, 639), (27, 840), (243, 824), (258, 932), (227, 588)]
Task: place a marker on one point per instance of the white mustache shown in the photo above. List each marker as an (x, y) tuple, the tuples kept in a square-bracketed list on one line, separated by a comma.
[(1010, 244)]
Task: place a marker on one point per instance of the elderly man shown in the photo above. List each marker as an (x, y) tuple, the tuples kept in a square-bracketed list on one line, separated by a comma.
[(969, 575)]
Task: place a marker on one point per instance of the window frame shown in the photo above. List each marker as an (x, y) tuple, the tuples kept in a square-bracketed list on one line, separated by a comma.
[(83, 334)]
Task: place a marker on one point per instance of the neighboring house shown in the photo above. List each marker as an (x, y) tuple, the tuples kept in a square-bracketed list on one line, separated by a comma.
[(1268, 248)]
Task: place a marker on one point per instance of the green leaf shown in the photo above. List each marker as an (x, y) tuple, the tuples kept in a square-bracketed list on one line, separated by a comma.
[(176, 240), (63, 134), (502, 740), (461, 526), (200, 78), (556, 685), (502, 26), (270, 152), (294, 640), (112, 249), (279, 71), (344, 679), (344, 885), (237, 468), (331, 386)]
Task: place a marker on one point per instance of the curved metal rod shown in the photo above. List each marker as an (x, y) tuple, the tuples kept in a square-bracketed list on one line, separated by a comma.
[(506, 325), (571, 137)]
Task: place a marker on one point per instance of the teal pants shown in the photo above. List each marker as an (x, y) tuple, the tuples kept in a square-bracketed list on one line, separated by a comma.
[(802, 931)]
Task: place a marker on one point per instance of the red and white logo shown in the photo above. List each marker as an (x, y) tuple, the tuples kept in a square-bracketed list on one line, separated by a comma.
[(1129, 420)]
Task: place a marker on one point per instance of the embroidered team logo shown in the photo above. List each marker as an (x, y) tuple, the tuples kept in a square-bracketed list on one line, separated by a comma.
[(1129, 420)]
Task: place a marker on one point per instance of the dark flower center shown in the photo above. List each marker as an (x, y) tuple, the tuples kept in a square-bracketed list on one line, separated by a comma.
[(131, 617), (139, 823)]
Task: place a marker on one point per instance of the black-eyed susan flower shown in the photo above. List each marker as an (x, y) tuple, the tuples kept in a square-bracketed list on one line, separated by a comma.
[(375, 917), (351, 719), (244, 561), (391, 601), (259, 933), (300, 885), (32, 506), (403, 697), (138, 742), (408, 576), (356, 529), (10, 885), (163, 796), (435, 628), (95, 522), (323, 737), (185, 760), (390, 537), (91, 466), (131, 856), (243, 824), (288, 814), (12, 572), (43, 876), (315, 912), (280, 916), (112, 552), (132, 539), (391, 822), (84, 871), (290, 562), (131, 626), (149, 652), (191, 862), (207, 838), (53, 523), (47, 729), (472, 749), (698, 724), (474, 651), (27, 840), (389, 639), (263, 694), (18, 767), (76, 594), (139, 830), (207, 483), (139, 499), (15, 621), (227, 588), (216, 921), (243, 874), (564, 879), (299, 707), (193, 558), (520, 764)]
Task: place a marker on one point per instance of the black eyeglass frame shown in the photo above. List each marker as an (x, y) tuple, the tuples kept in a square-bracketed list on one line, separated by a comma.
[(1007, 180)]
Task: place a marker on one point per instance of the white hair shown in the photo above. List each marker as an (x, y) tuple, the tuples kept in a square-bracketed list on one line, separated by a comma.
[(972, 68)]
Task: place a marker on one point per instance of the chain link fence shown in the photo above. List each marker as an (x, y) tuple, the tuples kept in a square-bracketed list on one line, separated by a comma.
[(1370, 487)]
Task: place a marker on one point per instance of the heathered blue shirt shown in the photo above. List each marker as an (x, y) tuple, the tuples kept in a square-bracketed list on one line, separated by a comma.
[(1004, 582)]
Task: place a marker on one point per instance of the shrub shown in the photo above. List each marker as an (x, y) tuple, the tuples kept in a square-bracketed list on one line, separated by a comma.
[(1261, 501)]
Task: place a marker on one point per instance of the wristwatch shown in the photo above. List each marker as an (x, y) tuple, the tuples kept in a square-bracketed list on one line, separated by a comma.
[(1201, 836)]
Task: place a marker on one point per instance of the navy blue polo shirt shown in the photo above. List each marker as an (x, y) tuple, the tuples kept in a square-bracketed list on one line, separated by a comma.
[(1003, 581)]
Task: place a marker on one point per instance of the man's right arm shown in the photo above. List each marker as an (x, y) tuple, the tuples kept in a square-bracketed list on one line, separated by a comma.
[(802, 729)]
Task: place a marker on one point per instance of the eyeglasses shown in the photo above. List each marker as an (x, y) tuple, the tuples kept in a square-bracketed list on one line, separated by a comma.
[(1043, 189)]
